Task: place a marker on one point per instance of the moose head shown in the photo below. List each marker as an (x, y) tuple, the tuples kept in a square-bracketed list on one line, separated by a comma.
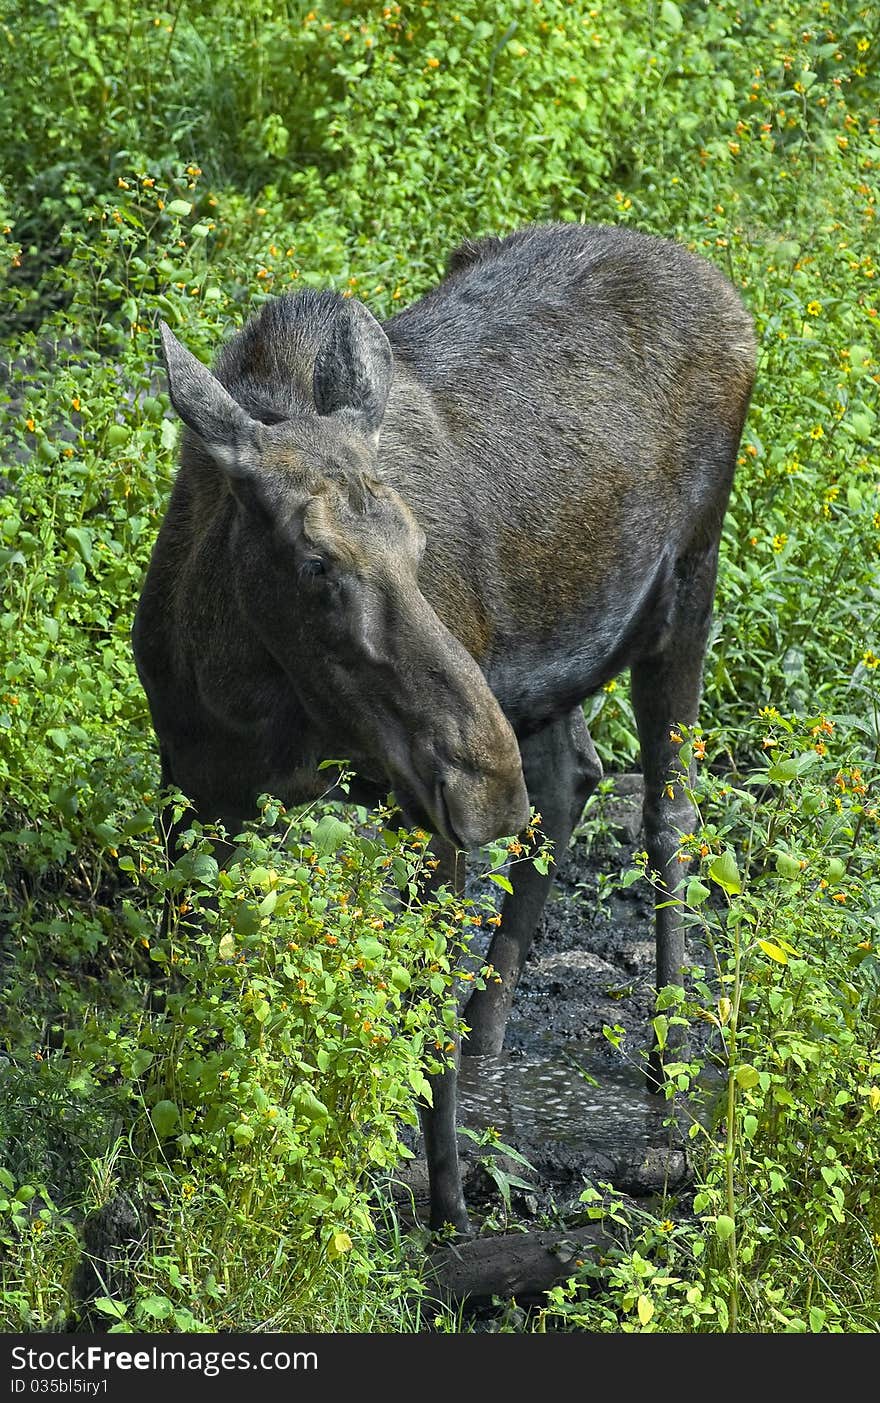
[(324, 561)]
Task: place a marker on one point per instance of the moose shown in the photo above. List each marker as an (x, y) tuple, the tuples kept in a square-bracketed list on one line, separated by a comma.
[(422, 545)]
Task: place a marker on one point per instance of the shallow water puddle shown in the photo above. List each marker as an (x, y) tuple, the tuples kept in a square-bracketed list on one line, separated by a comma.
[(570, 1098)]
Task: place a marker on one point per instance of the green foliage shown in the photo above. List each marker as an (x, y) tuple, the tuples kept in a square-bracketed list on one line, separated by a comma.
[(787, 1237), (262, 1069), (187, 163)]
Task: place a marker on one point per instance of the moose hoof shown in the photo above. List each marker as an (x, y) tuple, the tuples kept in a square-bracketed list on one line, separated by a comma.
[(458, 1220)]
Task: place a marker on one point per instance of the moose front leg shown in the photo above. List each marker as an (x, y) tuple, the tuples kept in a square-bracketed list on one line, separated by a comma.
[(439, 1118), (561, 770)]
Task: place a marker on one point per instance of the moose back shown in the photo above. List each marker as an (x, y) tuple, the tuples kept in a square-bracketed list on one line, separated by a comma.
[(423, 545)]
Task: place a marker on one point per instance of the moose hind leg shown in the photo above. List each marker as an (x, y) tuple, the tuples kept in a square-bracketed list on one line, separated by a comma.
[(666, 691), (561, 770)]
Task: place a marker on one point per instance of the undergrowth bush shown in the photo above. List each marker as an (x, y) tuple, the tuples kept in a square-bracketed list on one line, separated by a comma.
[(289, 1007), (784, 896), (188, 163)]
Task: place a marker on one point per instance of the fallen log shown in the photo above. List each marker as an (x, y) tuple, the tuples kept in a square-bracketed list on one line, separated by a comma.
[(521, 1265)]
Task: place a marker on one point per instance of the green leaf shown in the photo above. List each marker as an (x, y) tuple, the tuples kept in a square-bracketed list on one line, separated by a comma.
[(226, 948), (783, 771), (330, 834), (339, 1243), (696, 893), (308, 1105), (181, 207), (420, 1084), (165, 1117), (370, 947), (660, 1024), (773, 952), (80, 540), (116, 1309), (787, 866), (156, 1307), (645, 1308), (671, 16), (501, 881), (246, 919), (724, 871), (724, 1227), (747, 1076)]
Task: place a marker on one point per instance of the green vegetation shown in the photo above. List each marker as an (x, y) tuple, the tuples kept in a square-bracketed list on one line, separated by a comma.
[(187, 164)]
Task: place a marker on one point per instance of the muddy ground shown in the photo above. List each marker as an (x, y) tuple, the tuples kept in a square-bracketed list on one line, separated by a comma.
[(560, 1094)]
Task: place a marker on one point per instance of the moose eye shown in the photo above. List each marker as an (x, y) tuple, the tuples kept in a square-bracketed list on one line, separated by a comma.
[(313, 565)]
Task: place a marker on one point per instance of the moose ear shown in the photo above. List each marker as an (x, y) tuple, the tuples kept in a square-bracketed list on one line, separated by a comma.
[(230, 435), (353, 369)]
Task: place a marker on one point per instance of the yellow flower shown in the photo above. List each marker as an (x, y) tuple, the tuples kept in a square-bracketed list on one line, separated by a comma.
[(779, 542), (814, 309), (817, 432), (870, 659)]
